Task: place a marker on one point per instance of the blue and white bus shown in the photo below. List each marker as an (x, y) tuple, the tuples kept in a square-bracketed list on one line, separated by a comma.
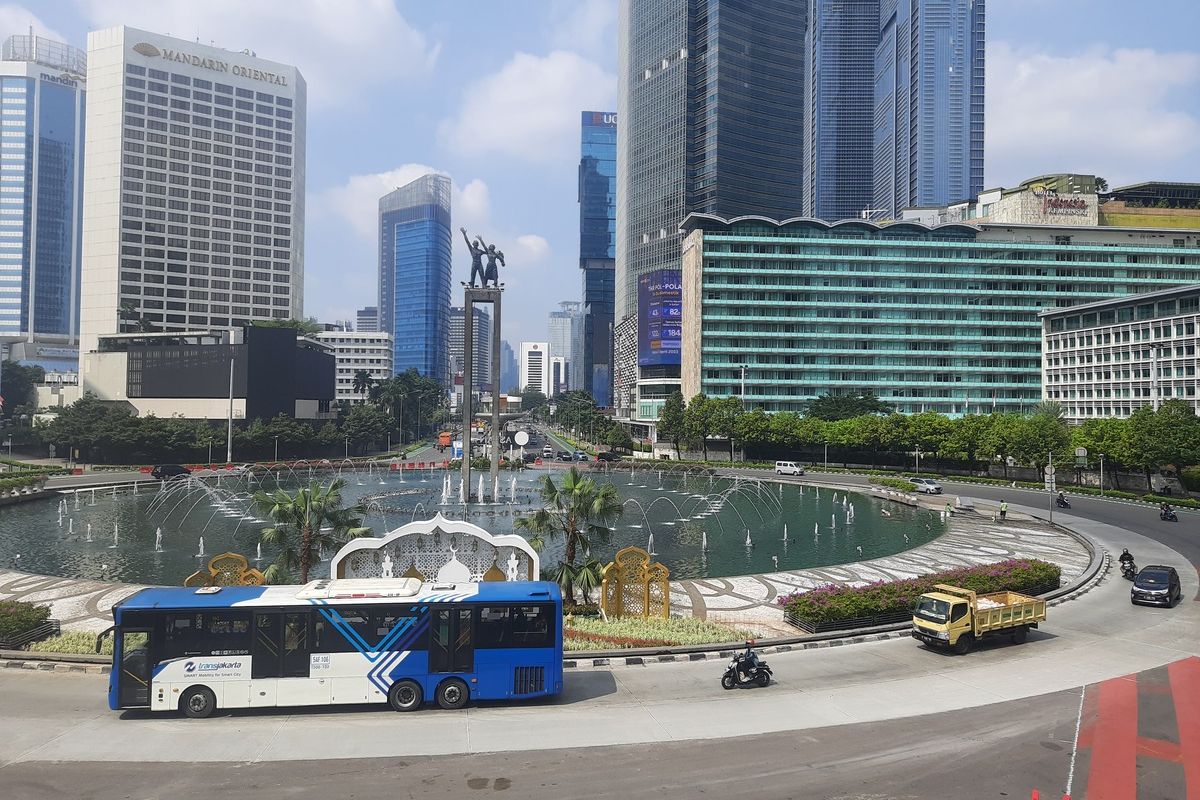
[(398, 641)]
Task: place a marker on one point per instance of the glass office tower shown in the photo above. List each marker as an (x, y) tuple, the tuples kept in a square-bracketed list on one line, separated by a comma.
[(597, 250), (414, 275), (929, 91), (840, 109), (42, 91), (711, 94)]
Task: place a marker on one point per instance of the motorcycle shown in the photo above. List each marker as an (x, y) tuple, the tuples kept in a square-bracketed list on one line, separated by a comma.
[(1062, 502), (1168, 516), (1129, 570), (746, 669)]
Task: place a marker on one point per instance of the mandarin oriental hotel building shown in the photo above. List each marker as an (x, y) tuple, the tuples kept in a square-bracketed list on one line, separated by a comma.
[(193, 213), (928, 317)]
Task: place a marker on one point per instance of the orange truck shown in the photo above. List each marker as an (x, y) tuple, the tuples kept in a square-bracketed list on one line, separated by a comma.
[(443, 439)]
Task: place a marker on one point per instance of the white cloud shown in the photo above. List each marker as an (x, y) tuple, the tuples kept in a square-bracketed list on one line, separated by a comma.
[(530, 108), (532, 247), (16, 19), (585, 26), (1106, 112), (342, 48)]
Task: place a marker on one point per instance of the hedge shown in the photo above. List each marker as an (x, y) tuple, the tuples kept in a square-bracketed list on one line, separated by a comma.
[(17, 618), (10, 484), (833, 602), (900, 484), (593, 633), (74, 642)]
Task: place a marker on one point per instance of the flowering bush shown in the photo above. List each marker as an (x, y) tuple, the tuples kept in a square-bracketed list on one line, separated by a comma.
[(835, 602)]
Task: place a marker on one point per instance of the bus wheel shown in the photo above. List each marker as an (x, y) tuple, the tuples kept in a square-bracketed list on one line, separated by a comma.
[(405, 696), (198, 702), (452, 694)]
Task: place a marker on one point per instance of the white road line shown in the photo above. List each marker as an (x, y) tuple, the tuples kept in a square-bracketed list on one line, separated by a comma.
[(1075, 746)]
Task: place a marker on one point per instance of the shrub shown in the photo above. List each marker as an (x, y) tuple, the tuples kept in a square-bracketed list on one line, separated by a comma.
[(17, 618), (593, 633), (78, 642), (899, 484), (836, 602), (1190, 476)]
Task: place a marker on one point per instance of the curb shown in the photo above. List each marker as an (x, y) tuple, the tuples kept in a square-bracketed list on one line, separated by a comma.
[(40, 665)]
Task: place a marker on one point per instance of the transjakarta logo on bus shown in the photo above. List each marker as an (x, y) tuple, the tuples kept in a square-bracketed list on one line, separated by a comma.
[(211, 666)]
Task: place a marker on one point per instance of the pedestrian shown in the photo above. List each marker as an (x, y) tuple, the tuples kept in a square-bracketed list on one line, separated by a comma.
[(949, 509), (1003, 509)]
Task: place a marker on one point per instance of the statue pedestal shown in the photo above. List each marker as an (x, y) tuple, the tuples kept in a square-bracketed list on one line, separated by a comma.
[(471, 296)]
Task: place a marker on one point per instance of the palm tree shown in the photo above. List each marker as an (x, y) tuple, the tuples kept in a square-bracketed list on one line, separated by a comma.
[(362, 381), (580, 509), (306, 524)]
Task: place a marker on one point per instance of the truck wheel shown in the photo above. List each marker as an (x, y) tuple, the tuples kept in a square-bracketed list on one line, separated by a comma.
[(1020, 635), (964, 644)]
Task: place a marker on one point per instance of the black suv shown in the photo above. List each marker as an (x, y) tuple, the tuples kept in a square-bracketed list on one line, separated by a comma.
[(608, 455), (168, 471), (1157, 585)]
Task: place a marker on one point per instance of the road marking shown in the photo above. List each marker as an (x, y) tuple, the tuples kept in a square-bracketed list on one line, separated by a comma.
[(1113, 771), (1075, 748), (1185, 688)]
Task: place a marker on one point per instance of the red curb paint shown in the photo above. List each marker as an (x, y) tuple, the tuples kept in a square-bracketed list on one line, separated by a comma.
[(1113, 772), (1185, 687)]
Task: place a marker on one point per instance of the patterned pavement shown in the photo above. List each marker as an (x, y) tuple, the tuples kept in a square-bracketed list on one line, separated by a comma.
[(973, 539)]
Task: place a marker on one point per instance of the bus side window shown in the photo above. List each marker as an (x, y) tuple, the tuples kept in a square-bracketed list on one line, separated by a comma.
[(530, 626), (492, 630), (183, 635), (227, 633)]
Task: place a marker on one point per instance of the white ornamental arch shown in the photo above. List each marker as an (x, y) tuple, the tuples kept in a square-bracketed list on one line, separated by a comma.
[(441, 550)]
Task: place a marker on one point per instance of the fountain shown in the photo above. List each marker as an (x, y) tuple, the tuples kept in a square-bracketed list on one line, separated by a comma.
[(749, 543), (704, 541), (650, 546), (496, 490), (76, 499), (832, 521), (816, 530), (200, 552), (512, 490), (71, 527), (116, 537), (775, 561), (785, 531), (258, 552), (158, 540), (850, 514), (89, 531), (135, 487), (446, 489), (92, 502), (479, 492)]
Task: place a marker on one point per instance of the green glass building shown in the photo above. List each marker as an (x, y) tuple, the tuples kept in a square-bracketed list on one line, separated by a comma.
[(928, 317)]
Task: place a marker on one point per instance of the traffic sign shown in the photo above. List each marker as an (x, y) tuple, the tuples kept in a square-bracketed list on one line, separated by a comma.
[(1049, 472), (522, 438), (1050, 484)]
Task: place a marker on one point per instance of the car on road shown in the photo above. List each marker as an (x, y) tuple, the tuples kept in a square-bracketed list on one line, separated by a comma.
[(926, 485), (531, 457), (608, 455), (788, 468), (165, 472), (579, 455), (1157, 585), (563, 455), (547, 452)]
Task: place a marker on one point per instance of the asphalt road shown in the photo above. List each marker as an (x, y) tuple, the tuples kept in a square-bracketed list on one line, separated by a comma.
[(1004, 750)]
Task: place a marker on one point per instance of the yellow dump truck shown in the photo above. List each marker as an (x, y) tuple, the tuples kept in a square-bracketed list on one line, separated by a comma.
[(957, 618)]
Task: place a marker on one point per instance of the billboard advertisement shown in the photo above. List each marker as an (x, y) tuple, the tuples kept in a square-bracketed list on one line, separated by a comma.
[(660, 318)]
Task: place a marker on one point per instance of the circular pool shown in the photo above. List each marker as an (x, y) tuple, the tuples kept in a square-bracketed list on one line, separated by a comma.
[(698, 524)]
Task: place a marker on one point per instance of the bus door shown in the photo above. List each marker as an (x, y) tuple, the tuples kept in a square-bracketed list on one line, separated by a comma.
[(451, 640), (281, 650), (134, 679)]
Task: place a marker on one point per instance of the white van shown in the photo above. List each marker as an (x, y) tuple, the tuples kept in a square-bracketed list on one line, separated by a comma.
[(788, 468), (547, 452)]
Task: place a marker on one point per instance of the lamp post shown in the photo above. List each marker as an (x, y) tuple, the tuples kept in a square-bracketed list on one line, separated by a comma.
[(229, 428), (1102, 474), (347, 447), (277, 448), (742, 396), (827, 455), (918, 459)]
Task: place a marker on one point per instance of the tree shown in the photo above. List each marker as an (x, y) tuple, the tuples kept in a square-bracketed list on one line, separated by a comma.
[(362, 381), (1101, 184), (928, 432), (365, 425), (532, 399), (302, 326), (617, 437), (698, 422), (832, 407), (1170, 435), (579, 509), (307, 523), (1106, 438), (754, 428), (1000, 439), (724, 413), (18, 383), (966, 437), (671, 421)]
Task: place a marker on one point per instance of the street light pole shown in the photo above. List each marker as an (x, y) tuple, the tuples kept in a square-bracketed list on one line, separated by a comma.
[(742, 396), (347, 447), (277, 448), (1102, 474), (229, 426), (827, 456)]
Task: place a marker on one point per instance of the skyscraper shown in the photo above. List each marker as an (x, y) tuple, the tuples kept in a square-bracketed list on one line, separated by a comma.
[(597, 250), (535, 367), (481, 343), (509, 378), (42, 90), (840, 107), (929, 93), (565, 341), (414, 275), (710, 105), (367, 319), (193, 212)]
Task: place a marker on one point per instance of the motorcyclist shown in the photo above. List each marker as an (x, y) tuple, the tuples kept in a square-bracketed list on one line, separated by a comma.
[(1126, 557), (747, 662), (1062, 500), (1164, 511)]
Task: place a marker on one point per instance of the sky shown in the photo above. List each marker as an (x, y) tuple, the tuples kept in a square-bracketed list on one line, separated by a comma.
[(490, 93)]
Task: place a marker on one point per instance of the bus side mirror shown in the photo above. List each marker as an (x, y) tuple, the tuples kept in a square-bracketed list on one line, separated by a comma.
[(100, 637)]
